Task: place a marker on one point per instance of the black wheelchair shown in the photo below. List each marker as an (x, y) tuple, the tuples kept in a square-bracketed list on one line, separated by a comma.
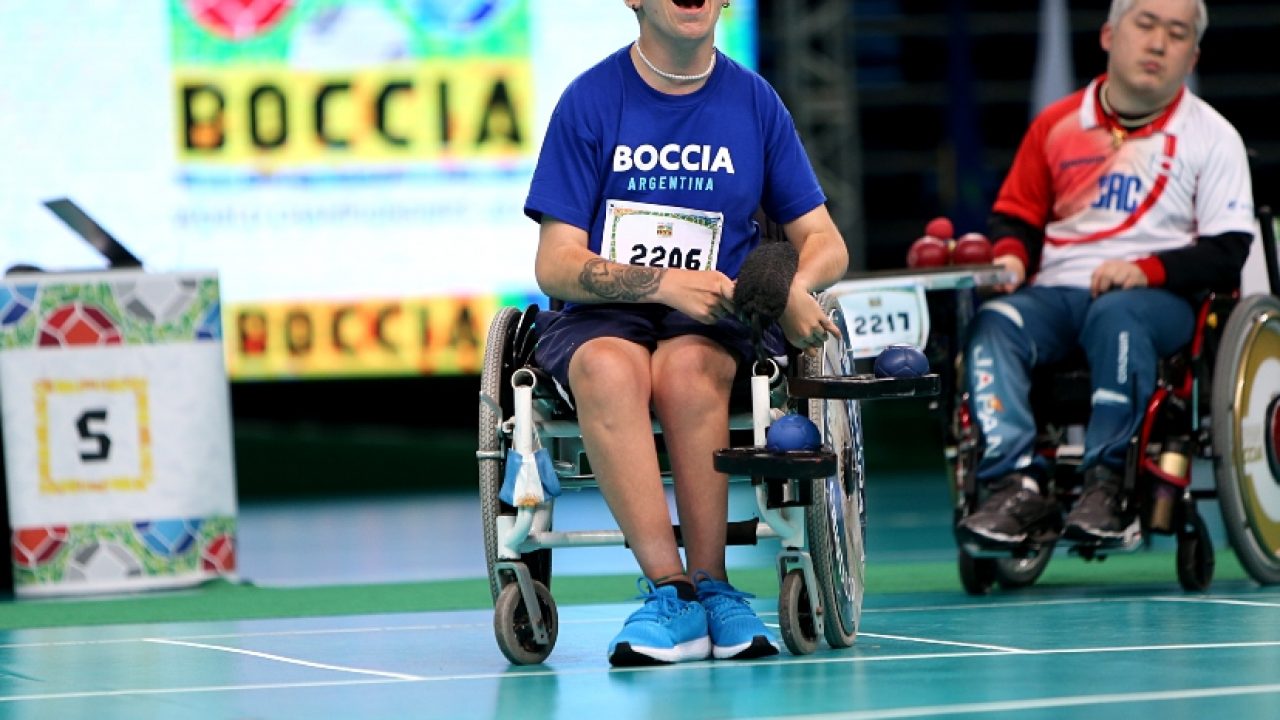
[(1218, 399), (811, 502)]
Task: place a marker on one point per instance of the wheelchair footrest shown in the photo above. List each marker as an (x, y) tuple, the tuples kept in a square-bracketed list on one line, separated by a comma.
[(760, 462), (863, 387)]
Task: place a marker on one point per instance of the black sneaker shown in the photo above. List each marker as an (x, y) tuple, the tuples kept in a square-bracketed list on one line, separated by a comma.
[(1099, 514), (1009, 512)]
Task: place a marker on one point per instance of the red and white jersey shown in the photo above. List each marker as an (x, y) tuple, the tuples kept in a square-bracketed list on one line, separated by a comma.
[(1102, 192)]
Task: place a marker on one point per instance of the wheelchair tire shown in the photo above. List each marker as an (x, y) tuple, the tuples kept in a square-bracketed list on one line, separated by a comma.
[(1195, 555), (495, 381), (977, 574), (1245, 398), (511, 625), (836, 521), (1013, 572), (795, 615)]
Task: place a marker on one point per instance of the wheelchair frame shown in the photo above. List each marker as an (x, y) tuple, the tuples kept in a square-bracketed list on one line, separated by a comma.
[(1231, 373), (811, 502)]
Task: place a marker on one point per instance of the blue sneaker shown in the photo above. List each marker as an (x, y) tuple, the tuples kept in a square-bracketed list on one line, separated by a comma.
[(665, 629), (736, 632)]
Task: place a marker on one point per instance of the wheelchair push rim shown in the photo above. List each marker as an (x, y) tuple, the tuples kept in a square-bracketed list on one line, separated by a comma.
[(1246, 434), (836, 523), (496, 404)]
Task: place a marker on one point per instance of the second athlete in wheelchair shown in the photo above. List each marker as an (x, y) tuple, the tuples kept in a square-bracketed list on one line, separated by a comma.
[(1127, 203)]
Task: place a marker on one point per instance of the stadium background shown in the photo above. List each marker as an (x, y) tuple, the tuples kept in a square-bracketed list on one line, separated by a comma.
[(358, 536), (916, 112), (936, 94)]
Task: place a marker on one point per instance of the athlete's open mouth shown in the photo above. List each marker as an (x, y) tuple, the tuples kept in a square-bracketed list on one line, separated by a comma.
[(690, 3)]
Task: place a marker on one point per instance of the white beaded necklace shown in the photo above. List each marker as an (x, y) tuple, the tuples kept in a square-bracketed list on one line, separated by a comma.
[(673, 77)]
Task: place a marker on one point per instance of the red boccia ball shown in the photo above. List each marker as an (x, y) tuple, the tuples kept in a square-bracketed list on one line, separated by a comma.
[(972, 249), (941, 228), (928, 251)]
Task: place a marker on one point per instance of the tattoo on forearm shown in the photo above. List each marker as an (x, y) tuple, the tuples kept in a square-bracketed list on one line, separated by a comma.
[(612, 281)]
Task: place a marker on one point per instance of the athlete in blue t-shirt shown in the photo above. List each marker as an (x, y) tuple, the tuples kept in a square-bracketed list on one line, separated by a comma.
[(652, 168)]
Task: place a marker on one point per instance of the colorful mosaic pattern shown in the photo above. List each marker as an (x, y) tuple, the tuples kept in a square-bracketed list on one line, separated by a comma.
[(148, 311), (64, 555)]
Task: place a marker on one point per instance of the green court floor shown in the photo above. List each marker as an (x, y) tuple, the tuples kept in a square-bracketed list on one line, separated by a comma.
[(377, 608), (1113, 652)]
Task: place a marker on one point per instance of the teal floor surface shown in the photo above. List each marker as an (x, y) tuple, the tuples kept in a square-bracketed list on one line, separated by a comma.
[(1107, 651), (1056, 653)]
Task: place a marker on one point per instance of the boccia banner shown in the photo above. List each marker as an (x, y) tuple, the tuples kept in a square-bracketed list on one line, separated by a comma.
[(116, 420)]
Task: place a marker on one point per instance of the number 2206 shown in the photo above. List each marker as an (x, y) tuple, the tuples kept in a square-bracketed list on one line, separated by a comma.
[(876, 324), (659, 256)]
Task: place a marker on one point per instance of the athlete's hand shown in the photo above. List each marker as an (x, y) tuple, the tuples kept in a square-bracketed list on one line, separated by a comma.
[(1116, 275), (1013, 264), (803, 322), (704, 295)]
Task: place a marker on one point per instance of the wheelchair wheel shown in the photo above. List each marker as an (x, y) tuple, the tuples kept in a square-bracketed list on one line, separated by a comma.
[(495, 385), (1195, 555), (977, 574), (795, 615), (1013, 572), (511, 626), (836, 521), (1245, 401)]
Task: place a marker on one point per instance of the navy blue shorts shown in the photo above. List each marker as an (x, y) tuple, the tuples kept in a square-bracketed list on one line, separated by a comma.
[(643, 324)]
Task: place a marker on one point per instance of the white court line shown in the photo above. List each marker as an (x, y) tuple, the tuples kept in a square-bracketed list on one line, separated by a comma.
[(926, 641), (929, 641), (183, 690), (283, 659), (1158, 648), (618, 619), (603, 669), (1045, 703), (505, 675), (1216, 601), (1074, 601), (998, 605), (283, 633)]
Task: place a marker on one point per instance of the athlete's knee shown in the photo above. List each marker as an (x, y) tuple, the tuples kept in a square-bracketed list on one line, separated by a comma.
[(996, 319), (692, 374), (609, 365)]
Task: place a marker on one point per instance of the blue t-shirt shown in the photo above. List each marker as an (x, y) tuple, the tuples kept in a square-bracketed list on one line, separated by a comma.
[(729, 147)]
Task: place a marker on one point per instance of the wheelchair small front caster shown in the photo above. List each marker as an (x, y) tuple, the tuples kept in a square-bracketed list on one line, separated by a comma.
[(795, 615), (1195, 555), (515, 632), (977, 574), (1019, 572)]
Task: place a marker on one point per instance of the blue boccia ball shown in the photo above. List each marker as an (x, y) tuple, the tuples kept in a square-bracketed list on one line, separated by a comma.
[(793, 432), (901, 361)]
